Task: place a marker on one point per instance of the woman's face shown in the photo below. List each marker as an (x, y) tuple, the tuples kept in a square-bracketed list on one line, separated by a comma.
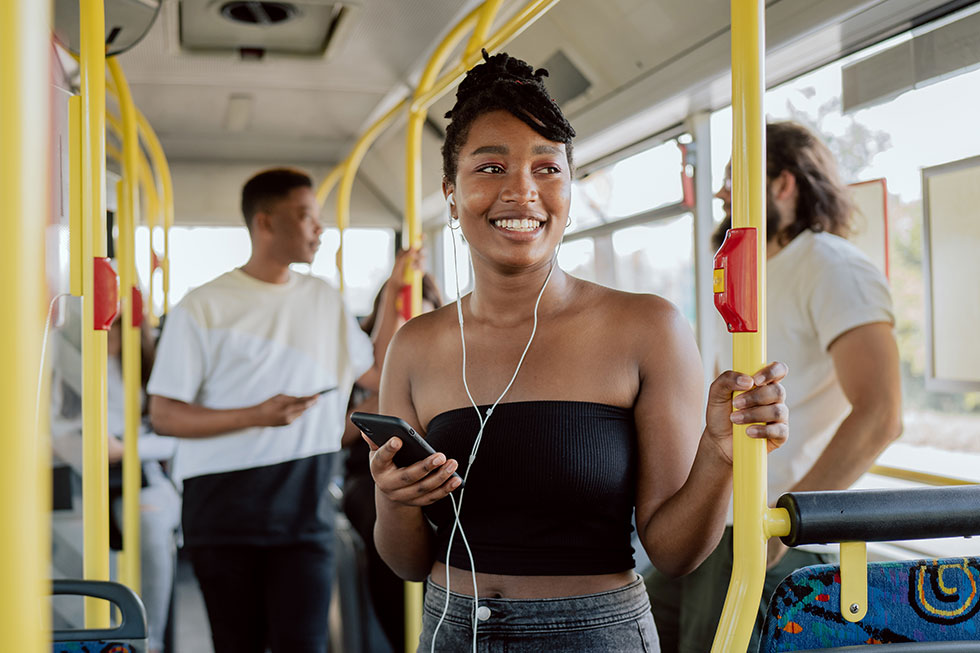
[(512, 191)]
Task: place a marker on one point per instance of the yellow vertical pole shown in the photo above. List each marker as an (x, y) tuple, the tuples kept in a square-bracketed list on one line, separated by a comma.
[(95, 481), (166, 198), (413, 148), (128, 218), (24, 110), (413, 221), (749, 353)]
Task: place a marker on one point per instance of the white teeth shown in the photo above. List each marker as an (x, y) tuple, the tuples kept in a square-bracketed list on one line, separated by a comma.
[(512, 224)]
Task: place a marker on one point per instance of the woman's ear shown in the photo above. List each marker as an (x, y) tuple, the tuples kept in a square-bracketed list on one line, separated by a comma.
[(447, 191)]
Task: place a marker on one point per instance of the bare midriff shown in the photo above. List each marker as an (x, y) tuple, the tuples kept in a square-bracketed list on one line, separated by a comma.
[(500, 586)]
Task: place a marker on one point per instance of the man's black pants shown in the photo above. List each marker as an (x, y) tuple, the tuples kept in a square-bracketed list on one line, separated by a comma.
[(275, 596)]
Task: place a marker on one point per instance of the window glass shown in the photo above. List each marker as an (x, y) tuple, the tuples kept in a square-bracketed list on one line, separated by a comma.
[(658, 258), (577, 258), (199, 254), (638, 183)]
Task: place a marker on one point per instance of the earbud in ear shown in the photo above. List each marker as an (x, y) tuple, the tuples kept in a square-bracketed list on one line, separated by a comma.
[(451, 199)]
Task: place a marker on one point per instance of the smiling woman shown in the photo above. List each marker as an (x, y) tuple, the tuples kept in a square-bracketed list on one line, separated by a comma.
[(597, 420)]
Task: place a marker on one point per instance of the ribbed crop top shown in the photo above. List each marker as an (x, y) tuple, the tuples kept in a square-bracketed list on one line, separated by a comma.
[(551, 492)]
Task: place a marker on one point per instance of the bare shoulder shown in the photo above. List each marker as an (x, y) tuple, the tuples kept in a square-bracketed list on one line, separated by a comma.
[(423, 333), (632, 313)]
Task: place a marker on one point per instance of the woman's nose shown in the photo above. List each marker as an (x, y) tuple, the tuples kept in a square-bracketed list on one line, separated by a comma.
[(520, 188)]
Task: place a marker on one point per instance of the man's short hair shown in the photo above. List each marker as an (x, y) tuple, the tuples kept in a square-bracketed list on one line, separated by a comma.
[(269, 186), (824, 202)]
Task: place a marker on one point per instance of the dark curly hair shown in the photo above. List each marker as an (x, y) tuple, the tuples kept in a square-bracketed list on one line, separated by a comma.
[(503, 82), (824, 203)]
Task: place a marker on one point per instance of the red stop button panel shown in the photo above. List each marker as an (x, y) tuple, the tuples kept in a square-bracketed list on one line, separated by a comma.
[(137, 307), (735, 280), (105, 294)]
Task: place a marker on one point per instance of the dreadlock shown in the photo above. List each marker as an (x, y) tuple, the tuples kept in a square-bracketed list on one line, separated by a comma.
[(503, 82)]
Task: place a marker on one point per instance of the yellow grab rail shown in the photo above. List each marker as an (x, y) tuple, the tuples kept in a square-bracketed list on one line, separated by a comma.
[(24, 476), (504, 34), (323, 190), (349, 171), (749, 349), (128, 211), (162, 169), (95, 480), (148, 187)]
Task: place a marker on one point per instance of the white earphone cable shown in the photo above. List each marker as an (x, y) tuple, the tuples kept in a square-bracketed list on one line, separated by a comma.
[(457, 507)]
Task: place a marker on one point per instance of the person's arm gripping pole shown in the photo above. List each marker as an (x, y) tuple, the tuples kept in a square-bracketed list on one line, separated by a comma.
[(95, 463), (753, 521), (128, 218)]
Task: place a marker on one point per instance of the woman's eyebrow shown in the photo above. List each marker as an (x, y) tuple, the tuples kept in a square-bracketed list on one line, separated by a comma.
[(546, 149), (490, 149)]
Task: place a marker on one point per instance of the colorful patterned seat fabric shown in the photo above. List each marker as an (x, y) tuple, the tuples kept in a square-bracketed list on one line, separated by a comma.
[(92, 647), (910, 601)]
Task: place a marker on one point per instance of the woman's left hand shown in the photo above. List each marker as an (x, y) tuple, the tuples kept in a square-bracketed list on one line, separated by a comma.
[(760, 404)]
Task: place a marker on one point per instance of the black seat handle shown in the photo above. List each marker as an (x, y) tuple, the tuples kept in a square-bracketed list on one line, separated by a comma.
[(881, 515), (132, 624)]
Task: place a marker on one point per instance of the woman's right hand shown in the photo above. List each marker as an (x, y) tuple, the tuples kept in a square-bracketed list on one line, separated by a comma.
[(420, 484)]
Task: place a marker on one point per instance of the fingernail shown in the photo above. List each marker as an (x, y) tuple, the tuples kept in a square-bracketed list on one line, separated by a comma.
[(737, 418), (451, 467), (395, 444), (753, 431), (744, 382), (759, 380), (453, 484), (738, 402), (438, 460)]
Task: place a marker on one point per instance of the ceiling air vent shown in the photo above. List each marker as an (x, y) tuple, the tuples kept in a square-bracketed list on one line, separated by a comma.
[(299, 27), (258, 13)]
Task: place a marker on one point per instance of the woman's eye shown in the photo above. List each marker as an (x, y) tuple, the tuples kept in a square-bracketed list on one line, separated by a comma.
[(492, 168), (551, 170)]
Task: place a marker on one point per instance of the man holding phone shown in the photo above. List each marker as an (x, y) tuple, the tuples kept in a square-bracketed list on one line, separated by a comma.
[(253, 374)]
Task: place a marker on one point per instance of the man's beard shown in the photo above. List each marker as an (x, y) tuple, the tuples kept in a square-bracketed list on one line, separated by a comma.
[(773, 217)]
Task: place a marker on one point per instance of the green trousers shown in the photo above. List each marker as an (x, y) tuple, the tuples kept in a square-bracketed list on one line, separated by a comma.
[(687, 609)]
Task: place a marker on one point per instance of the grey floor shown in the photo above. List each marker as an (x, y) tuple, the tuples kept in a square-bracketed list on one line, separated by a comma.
[(192, 634)]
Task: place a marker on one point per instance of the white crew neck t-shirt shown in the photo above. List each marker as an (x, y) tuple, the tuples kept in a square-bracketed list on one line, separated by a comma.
[(818, 287), (237, 341)]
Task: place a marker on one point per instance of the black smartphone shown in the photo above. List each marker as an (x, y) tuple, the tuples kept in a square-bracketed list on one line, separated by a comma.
[(381, 428)]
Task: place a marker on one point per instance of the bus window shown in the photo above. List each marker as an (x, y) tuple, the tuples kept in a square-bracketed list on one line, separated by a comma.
[(658, 258)]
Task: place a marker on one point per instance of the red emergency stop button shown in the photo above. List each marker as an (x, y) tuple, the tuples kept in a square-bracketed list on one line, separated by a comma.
[(105, 294), (735, 280)]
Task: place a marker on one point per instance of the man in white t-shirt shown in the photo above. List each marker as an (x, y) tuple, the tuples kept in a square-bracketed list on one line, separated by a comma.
[(253, 373), (830, 320)]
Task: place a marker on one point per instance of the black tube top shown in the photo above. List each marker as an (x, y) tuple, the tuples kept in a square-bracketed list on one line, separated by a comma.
[(551, 492)]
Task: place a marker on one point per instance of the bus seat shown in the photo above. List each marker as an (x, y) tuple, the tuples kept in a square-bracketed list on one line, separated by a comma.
[(128, 637), (914, 605)]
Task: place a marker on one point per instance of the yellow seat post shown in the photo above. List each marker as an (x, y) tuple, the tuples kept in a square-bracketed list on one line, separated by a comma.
[(95, 479), (25, 464), (129, 205), (749, 349)]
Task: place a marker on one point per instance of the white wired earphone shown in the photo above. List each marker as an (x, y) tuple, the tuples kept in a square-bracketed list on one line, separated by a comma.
[(483, 419)]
